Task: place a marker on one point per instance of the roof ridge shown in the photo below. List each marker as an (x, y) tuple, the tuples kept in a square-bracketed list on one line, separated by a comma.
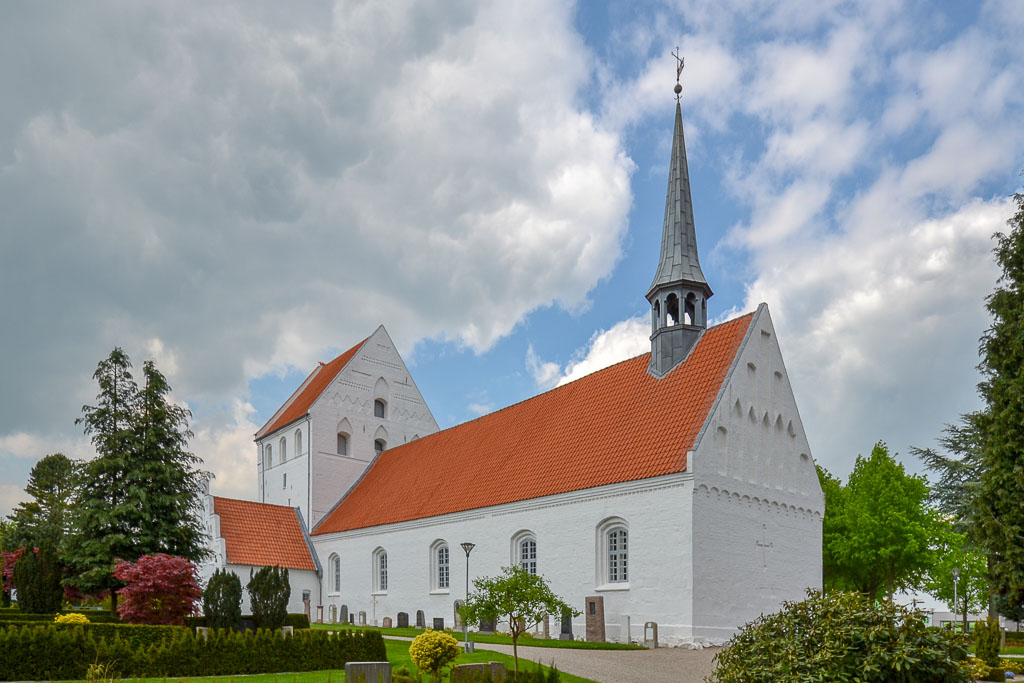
[(255, 502)]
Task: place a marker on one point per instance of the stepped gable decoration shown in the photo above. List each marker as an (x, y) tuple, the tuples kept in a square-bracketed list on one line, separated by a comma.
[(309, 391), (616, 425), (262, 535)]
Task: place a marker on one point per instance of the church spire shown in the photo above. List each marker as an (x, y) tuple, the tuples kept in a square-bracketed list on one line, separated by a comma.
[(679, 292)]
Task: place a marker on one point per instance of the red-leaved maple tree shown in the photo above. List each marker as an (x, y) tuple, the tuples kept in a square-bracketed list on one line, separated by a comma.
[(162, 589), (8, 559)]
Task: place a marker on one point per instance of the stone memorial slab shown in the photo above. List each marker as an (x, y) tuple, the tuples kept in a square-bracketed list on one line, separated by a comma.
[(403, 620), (650, 634), (458, 617), (438, 623), (387, 622), (421, 619), (362, 618), (486, 626), (547, 626), (566, 633), (468, 672), (368, 672), (594, 613), (344, 614)]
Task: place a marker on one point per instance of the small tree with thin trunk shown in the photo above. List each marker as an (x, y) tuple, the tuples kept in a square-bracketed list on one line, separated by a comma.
[(161, 589), (269, 591), (524, 599), (222, 600), (37, 576)]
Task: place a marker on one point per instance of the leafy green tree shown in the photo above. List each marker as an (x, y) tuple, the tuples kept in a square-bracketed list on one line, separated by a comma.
[(841, 637), (881, 533), (47, 519), (833, 526), (998, 513), (522, 598), (954, 550), (958, 469), (269, 591), (37, 576), (222, 600)]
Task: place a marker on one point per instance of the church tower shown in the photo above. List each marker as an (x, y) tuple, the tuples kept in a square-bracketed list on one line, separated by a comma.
[(679, 292)]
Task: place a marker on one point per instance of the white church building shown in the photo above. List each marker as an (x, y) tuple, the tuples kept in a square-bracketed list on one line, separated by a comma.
[(676, 487)]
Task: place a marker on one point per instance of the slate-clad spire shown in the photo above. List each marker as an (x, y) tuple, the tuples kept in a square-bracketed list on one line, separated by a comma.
[(679, 260), (679, 292)]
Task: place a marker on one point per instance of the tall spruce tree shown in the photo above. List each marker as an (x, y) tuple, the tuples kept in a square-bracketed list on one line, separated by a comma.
[(140, 496), (47, 519), (999, 514)]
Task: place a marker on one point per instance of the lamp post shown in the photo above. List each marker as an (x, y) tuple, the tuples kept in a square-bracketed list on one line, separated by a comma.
[(468, 547), (956, 575)]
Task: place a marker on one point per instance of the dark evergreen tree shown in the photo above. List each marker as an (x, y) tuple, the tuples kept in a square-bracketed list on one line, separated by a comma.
[(958, 469), (163, 480), (47, 520), (107, 517), (37, 576), (999, 516), (222, 600), (269, 591)]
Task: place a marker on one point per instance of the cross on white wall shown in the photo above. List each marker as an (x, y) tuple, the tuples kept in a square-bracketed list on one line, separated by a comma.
[(764, 545)]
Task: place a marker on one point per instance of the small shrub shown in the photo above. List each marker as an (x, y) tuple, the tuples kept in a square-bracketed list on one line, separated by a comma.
[(432, 651), (986, 641), (403, 675), (841, 637), (222, 600), (269, 591), (71, 618), (37, 576)]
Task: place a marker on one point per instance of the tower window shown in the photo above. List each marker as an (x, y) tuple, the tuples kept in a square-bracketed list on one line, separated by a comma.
[(284, 480), (269, 454), (342, 444), (266, 458), (690, 315), (378, 408), (379, 446), (284, 449), (298, 442), (671, 310)]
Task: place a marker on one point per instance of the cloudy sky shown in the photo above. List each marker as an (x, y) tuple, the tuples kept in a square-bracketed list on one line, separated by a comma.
[(239, 190)]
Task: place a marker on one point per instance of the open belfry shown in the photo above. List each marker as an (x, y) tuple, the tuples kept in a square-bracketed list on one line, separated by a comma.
[(674, 489)]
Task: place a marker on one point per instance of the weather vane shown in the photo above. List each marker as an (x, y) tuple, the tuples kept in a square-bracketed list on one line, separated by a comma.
[(679, 72)]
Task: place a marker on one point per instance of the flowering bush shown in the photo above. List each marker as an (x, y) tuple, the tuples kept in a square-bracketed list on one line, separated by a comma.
[(432, 651), (71, 618)]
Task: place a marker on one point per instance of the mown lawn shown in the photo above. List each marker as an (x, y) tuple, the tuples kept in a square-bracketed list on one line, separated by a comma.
[(493, 639), (398, 654)]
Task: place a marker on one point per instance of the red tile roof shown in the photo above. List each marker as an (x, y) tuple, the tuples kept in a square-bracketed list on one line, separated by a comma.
[(262, 534), (311, 389), (615, 425)]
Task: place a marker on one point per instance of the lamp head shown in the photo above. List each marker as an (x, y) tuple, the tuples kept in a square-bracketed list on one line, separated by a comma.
[(468, 547)]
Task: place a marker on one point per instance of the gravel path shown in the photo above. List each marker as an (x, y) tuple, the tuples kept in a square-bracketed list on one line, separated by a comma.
[(662, 665)]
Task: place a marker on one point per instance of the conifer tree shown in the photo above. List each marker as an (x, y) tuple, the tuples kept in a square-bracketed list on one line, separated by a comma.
[(53, 485), (999, 514)]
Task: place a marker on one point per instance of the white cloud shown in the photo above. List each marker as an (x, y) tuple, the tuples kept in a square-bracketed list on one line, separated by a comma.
[(625, 339), (480, 408), (228, 451), (545, 374), (34, 446)]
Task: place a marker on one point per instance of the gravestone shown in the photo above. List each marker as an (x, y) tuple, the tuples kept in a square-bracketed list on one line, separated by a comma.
[(362, 618), (651, 634), (344, 614), (547, 626), (352, 618), (387, 622), (566, 633), (403, 620), (368, 672), (468, 672), (334, 614), (438, 623), (486, 626), (595, 619), (202, 632), (458, 617), (288, 630), (421, 619), (305, 603)]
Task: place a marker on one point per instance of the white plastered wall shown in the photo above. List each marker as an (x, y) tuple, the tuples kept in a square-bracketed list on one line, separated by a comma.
[(657, 512), (376, 371), (757, 502)]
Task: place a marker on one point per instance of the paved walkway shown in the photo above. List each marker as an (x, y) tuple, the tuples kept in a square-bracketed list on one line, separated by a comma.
[(661, 665)]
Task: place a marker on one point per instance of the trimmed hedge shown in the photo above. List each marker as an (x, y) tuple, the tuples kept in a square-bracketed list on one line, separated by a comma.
[(94, 617), (296, 621), (137, 635), (53, 653)]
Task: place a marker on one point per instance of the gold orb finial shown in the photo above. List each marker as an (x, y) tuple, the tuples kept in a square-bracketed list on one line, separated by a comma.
[(679, 72)]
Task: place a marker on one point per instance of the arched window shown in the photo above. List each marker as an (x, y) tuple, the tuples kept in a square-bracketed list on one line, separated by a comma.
[(298, 442), (334, 563), (690, 313), (284, 449), (613, 553), (378, 446), (528, 554), (268, 452), (379, 408), (342, 444), (440, 566), (267, 464), (618, 555), (380, 570), (671, 310), (657, 313)]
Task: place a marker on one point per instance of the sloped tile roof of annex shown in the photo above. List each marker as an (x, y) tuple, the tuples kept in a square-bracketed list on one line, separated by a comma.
[(262, 535), (312, 387), (618, 424)]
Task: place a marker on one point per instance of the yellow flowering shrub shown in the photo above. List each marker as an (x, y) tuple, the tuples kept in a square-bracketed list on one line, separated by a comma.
[(432, 651), (71, 618)]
